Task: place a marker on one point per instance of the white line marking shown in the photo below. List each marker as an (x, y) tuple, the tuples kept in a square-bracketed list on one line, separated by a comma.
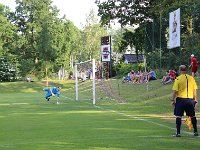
[(142, 119), (20, 103), (6, 104)]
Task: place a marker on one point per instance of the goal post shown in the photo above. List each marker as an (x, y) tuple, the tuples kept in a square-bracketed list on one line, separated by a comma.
[(76, 78), (93, 80)]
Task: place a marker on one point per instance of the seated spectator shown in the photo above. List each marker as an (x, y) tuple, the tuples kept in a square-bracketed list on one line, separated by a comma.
[(166, 79), (139, 77), (172, 74), (151, 75), (135, 77), (145, 76), (132, 75), (28, 79), (127, 78)]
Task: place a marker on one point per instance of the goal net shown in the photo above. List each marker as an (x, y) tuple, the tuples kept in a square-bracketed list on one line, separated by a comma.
[(85, 80), (91, 85)]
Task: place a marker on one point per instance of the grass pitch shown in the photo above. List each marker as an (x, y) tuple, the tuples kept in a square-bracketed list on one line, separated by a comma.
[(144, 121)]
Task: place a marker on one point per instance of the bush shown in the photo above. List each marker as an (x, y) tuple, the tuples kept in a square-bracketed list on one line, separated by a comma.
[(7, 70), (123, 69)]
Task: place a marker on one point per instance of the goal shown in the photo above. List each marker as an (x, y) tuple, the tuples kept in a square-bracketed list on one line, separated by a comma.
[(84, 75), (92, 85)]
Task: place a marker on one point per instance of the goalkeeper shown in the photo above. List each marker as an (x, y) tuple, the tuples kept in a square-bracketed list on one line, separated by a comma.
[(52, 92)]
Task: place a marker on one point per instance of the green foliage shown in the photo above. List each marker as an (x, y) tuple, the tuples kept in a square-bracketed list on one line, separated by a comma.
[(151, 34), (91, 36), (26, 67), (34, 31), (126, 12), (123, 69), (7, 70), (7, 32), (43, 36), (117, 40)]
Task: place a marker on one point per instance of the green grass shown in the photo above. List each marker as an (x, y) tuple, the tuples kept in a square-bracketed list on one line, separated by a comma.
[(144, 121)]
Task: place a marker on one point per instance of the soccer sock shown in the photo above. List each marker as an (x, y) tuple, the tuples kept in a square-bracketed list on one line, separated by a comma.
[(178, 125), (194, 123)]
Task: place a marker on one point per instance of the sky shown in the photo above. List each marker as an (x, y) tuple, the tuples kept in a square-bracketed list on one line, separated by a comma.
[(75, 10)]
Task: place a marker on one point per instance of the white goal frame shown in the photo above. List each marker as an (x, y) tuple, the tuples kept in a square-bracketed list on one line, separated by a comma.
[(93, 80)]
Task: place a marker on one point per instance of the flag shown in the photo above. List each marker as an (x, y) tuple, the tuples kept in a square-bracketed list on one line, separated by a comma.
[(174, 29), (189, 123)]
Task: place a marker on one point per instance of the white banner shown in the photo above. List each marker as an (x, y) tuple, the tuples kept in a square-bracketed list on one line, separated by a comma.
[(174, 29), (105, 53)]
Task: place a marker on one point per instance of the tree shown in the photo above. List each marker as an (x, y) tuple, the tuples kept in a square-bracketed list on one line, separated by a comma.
[(36, 21), (69, 45), (7, 32), (127, 12), (91, 36), (45, 42), (153, 20), (26, 18)]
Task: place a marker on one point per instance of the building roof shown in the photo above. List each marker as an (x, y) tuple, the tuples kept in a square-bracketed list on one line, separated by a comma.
[(133, 58)]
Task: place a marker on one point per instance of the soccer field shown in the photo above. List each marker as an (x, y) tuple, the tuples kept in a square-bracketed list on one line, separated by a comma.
[(143, 122)]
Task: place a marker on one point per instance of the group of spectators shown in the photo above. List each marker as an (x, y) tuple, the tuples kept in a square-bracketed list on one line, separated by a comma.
[(172, 74), (144, 77), (140, 77)]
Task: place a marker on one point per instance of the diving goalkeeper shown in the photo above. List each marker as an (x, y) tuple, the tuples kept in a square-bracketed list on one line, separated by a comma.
[(52, 92)]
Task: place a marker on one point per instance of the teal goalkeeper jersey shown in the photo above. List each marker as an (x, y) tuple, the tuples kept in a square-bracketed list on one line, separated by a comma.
[(55, 91)]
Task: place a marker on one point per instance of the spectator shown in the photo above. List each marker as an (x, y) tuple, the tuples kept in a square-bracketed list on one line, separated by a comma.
[(172, 74), (151, 75), (166, 79), (28, 79), (127, 78)]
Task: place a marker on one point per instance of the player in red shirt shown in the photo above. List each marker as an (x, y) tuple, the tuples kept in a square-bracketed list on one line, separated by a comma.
[(194, 65)]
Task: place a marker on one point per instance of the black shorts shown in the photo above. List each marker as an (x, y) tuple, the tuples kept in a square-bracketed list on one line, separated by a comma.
[(184, 104)]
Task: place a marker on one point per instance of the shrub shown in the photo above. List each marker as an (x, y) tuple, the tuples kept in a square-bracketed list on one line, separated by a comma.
[(7, 70), (123, 69)]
